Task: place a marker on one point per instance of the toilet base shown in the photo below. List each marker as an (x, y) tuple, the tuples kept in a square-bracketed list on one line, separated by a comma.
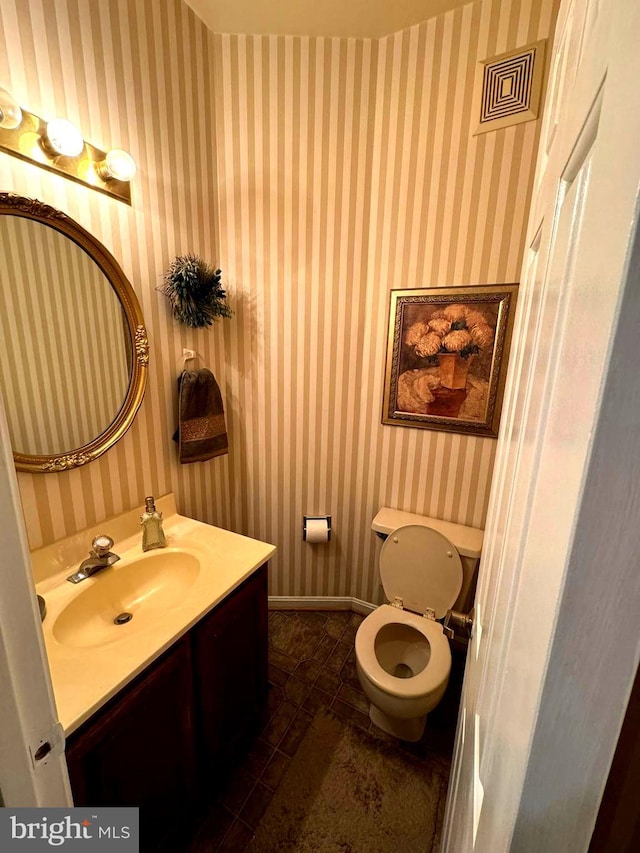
[(408, 730)]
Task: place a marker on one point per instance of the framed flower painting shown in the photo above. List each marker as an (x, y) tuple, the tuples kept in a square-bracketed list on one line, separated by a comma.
[(447, 356)]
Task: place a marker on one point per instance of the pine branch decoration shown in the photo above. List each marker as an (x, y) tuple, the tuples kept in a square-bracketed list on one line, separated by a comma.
[(195, 292)]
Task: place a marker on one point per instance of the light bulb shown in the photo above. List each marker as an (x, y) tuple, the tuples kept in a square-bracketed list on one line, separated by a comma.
[(118, 165), (10, 112), (63, 137)]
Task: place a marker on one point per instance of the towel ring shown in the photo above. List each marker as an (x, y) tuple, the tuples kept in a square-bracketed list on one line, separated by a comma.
[(188, 355)]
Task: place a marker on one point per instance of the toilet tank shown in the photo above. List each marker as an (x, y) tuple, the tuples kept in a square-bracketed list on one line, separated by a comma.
[(466, 540)]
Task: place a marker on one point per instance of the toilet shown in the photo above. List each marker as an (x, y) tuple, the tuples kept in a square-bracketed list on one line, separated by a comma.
[(403, 657)]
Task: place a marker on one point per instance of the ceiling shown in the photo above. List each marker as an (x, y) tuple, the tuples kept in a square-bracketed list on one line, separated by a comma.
[(363, 18)]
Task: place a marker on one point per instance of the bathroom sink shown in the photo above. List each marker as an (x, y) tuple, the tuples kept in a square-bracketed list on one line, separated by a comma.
[(121, 599)]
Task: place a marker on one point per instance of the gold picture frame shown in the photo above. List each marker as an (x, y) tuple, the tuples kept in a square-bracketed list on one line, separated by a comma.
[(447, 355)]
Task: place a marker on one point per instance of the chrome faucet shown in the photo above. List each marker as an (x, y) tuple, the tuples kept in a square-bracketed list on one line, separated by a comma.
[(100, 557)]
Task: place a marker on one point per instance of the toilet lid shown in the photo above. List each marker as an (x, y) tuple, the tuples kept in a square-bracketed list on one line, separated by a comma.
[(420, 566)]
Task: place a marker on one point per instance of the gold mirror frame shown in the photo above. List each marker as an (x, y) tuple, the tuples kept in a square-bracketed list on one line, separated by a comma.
[(15, 205)]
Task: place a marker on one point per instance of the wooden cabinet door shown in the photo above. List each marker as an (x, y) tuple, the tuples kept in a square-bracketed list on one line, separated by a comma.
[(230, 664), (139, 751)]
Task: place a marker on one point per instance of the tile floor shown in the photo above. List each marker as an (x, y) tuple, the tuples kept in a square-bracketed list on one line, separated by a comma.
[(311, 666)]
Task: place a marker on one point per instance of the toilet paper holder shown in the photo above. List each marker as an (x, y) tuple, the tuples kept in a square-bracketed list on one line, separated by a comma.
[(308, 518)]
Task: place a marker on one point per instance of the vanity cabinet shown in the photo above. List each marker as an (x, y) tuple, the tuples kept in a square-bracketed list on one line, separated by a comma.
[(139, 751), (168, 737), (231, 676)]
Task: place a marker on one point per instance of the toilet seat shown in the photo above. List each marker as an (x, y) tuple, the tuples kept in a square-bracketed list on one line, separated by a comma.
[(432, 676), (421, 570)]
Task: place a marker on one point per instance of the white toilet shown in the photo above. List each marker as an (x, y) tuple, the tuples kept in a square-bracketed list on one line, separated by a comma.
[(427, 567)]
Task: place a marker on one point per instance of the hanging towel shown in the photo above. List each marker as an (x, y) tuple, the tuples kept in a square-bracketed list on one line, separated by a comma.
[(201, 432)]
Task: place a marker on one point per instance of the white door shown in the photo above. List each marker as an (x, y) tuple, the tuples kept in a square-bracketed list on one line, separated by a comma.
[(33, 770), (556, 642)]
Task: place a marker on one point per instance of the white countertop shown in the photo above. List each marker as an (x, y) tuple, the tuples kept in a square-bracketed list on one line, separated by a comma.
[(85, 677)]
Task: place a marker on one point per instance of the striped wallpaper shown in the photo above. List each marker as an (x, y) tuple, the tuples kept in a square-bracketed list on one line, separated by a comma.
[(65, 366), (346, 167), (318, 173), (138, 75)]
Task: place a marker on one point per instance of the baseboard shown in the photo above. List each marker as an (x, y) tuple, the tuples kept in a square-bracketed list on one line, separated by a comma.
[(322, 602)]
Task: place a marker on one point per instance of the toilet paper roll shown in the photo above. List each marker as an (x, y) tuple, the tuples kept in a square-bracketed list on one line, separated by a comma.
[(317, 530)]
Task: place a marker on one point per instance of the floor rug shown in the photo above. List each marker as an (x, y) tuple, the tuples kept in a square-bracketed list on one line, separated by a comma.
[(350, 792)]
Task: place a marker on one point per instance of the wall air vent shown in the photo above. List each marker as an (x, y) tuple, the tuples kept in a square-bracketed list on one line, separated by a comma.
[(509, 87)]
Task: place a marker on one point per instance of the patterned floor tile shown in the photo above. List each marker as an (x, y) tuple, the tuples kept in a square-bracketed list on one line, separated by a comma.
[(236, 839), (328, 681), (338, 656), (356, 698), (279, 723), (335, 627), (308, 670), (275, 770), (349, 672), (256, 805), (348, 712), (297, 638), (278, 676), (317, 699), (312, 665), (325, 648), (258, 757), (311, 617), (296, 690), (295, 733), (279, 659)]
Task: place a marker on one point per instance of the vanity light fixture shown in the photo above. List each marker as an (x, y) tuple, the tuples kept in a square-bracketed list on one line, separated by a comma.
[(62, 137), (58, 145), (118, 165), (10, 112)]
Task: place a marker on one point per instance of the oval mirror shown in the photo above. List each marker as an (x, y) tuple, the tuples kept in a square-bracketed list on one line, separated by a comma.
[(73, 346)]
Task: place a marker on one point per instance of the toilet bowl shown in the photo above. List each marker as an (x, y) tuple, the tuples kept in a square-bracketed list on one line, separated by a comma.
[(403, 657), (403, 662)]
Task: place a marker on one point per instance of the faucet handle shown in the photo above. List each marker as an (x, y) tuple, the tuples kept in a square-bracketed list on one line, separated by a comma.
[(101, 545)]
